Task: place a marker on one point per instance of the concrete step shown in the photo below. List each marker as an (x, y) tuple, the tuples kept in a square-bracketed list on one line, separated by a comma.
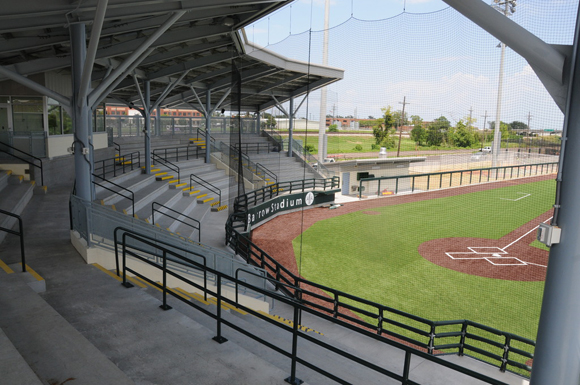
[(150, 345), (14, 198), (53, 348), (14, 368)]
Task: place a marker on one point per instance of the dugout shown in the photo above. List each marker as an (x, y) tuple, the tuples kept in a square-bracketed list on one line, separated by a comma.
[(352, 171)]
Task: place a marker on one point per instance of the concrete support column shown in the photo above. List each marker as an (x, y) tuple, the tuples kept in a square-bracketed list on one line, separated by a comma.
[(290, 126), (557, 356), (147, 116), (258, 123), (207, 126), (158, 122), (81, 116)]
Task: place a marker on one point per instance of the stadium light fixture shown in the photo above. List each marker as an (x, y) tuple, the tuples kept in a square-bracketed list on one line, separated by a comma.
[(507, 7)]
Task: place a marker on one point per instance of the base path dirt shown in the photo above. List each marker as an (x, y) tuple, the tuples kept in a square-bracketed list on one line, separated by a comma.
[(503, 258)]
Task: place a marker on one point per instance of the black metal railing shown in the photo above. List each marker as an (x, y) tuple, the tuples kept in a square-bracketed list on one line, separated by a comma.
[(172, 166), (432, 336), (264, 172), (445, 179), (117, 148), (234, 153), (194, 178), (132, 244), (194, 223), (255, 147), (180, 153), (118, 165), (30, 162), (201, 133), (130, 196), (19, 233), (243, 202)]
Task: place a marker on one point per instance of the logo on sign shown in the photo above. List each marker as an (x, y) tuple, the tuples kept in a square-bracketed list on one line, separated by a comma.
[(309, 198)]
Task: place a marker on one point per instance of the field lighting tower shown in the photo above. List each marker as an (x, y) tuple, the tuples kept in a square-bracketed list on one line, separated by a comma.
[(507, 7)]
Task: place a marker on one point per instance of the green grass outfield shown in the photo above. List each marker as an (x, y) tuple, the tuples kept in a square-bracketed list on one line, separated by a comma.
[(375, 257)]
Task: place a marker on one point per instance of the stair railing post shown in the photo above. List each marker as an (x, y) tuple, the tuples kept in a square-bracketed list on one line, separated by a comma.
[(292, 379), (219, 338), (165, 306)]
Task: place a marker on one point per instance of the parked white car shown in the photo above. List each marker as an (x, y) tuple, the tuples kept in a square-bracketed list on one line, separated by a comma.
[(486, 149)]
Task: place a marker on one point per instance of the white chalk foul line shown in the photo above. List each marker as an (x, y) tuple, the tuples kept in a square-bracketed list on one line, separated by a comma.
[(514, 200)]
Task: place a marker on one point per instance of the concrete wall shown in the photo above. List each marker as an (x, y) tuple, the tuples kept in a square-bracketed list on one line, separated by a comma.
[(58, 145)]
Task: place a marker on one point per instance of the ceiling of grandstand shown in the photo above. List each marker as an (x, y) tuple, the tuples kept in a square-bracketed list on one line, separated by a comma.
[(191, 55)]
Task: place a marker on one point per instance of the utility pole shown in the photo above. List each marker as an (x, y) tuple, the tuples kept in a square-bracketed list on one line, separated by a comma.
[(404, 102), (530, 116), (484, 129), (470, 113)]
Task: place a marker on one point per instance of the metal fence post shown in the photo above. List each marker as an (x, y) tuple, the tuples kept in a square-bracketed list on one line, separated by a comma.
[(165, 306), (292, 379), (219, 338)]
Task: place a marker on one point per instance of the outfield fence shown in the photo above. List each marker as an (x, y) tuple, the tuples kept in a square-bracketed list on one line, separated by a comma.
[(505, 350), (389, 185)]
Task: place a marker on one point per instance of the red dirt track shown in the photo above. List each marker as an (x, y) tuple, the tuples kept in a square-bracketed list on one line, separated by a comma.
[(275, 237)]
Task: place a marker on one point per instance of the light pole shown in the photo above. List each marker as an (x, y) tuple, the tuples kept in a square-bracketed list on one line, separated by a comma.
[(507, 7)]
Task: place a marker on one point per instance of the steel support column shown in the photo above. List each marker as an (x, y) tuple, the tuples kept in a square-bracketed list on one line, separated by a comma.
[(557, 357), (158, 122), (290, 126), (258, 122), (147, 116), (207, 125), (81, 116)]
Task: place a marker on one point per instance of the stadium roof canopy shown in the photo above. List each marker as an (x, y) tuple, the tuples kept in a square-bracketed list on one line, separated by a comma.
[(182, 48)]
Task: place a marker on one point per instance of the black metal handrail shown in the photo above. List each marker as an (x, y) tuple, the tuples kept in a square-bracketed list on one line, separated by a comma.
[(550, 168), (26, 160), (131, 197), (201, 133), (118, 162), (127, 244), (266, 172), (242, 202), (175, 152), (174, 257), (251, 166), (255, 147), (383, 320), (155, 210), (117, 148), (172, 166), (20, 234), (206, 184)]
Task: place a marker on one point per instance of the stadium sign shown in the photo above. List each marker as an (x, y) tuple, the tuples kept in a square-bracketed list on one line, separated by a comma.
[(274, 206)]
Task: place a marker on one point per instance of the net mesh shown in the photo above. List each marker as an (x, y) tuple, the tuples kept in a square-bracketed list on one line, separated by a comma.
[(454, 253)]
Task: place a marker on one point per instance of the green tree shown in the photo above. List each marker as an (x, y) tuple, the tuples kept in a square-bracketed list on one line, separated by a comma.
[(419, 135), (518, 126), (270, 121), (333, 128), (383, 131), (436, 131), (399, 119), (462, 135)]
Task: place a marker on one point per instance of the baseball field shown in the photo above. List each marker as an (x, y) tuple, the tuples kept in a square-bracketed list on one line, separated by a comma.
[(462, 253)]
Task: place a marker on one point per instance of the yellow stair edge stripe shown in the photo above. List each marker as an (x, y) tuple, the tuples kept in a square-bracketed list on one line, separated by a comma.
[(226, 305), (167, 177), (161, 174), (113, 207), (33, 273), (288, 322), (201, 196), (196, 296), (179, 294), (207, 200), (5, 267), (192, 192), (148, 284), (107, 272), (120, 279), (215, 203), (174, 181), (222, 207), (180, 184), (147, 220)]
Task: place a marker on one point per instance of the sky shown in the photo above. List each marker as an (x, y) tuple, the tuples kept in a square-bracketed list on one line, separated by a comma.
[(420, 50)]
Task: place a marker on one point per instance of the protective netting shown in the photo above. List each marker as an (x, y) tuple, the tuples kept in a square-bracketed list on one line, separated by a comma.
[(465, 253)]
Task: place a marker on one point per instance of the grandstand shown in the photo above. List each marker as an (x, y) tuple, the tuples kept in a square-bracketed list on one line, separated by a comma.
[(127, 252)]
